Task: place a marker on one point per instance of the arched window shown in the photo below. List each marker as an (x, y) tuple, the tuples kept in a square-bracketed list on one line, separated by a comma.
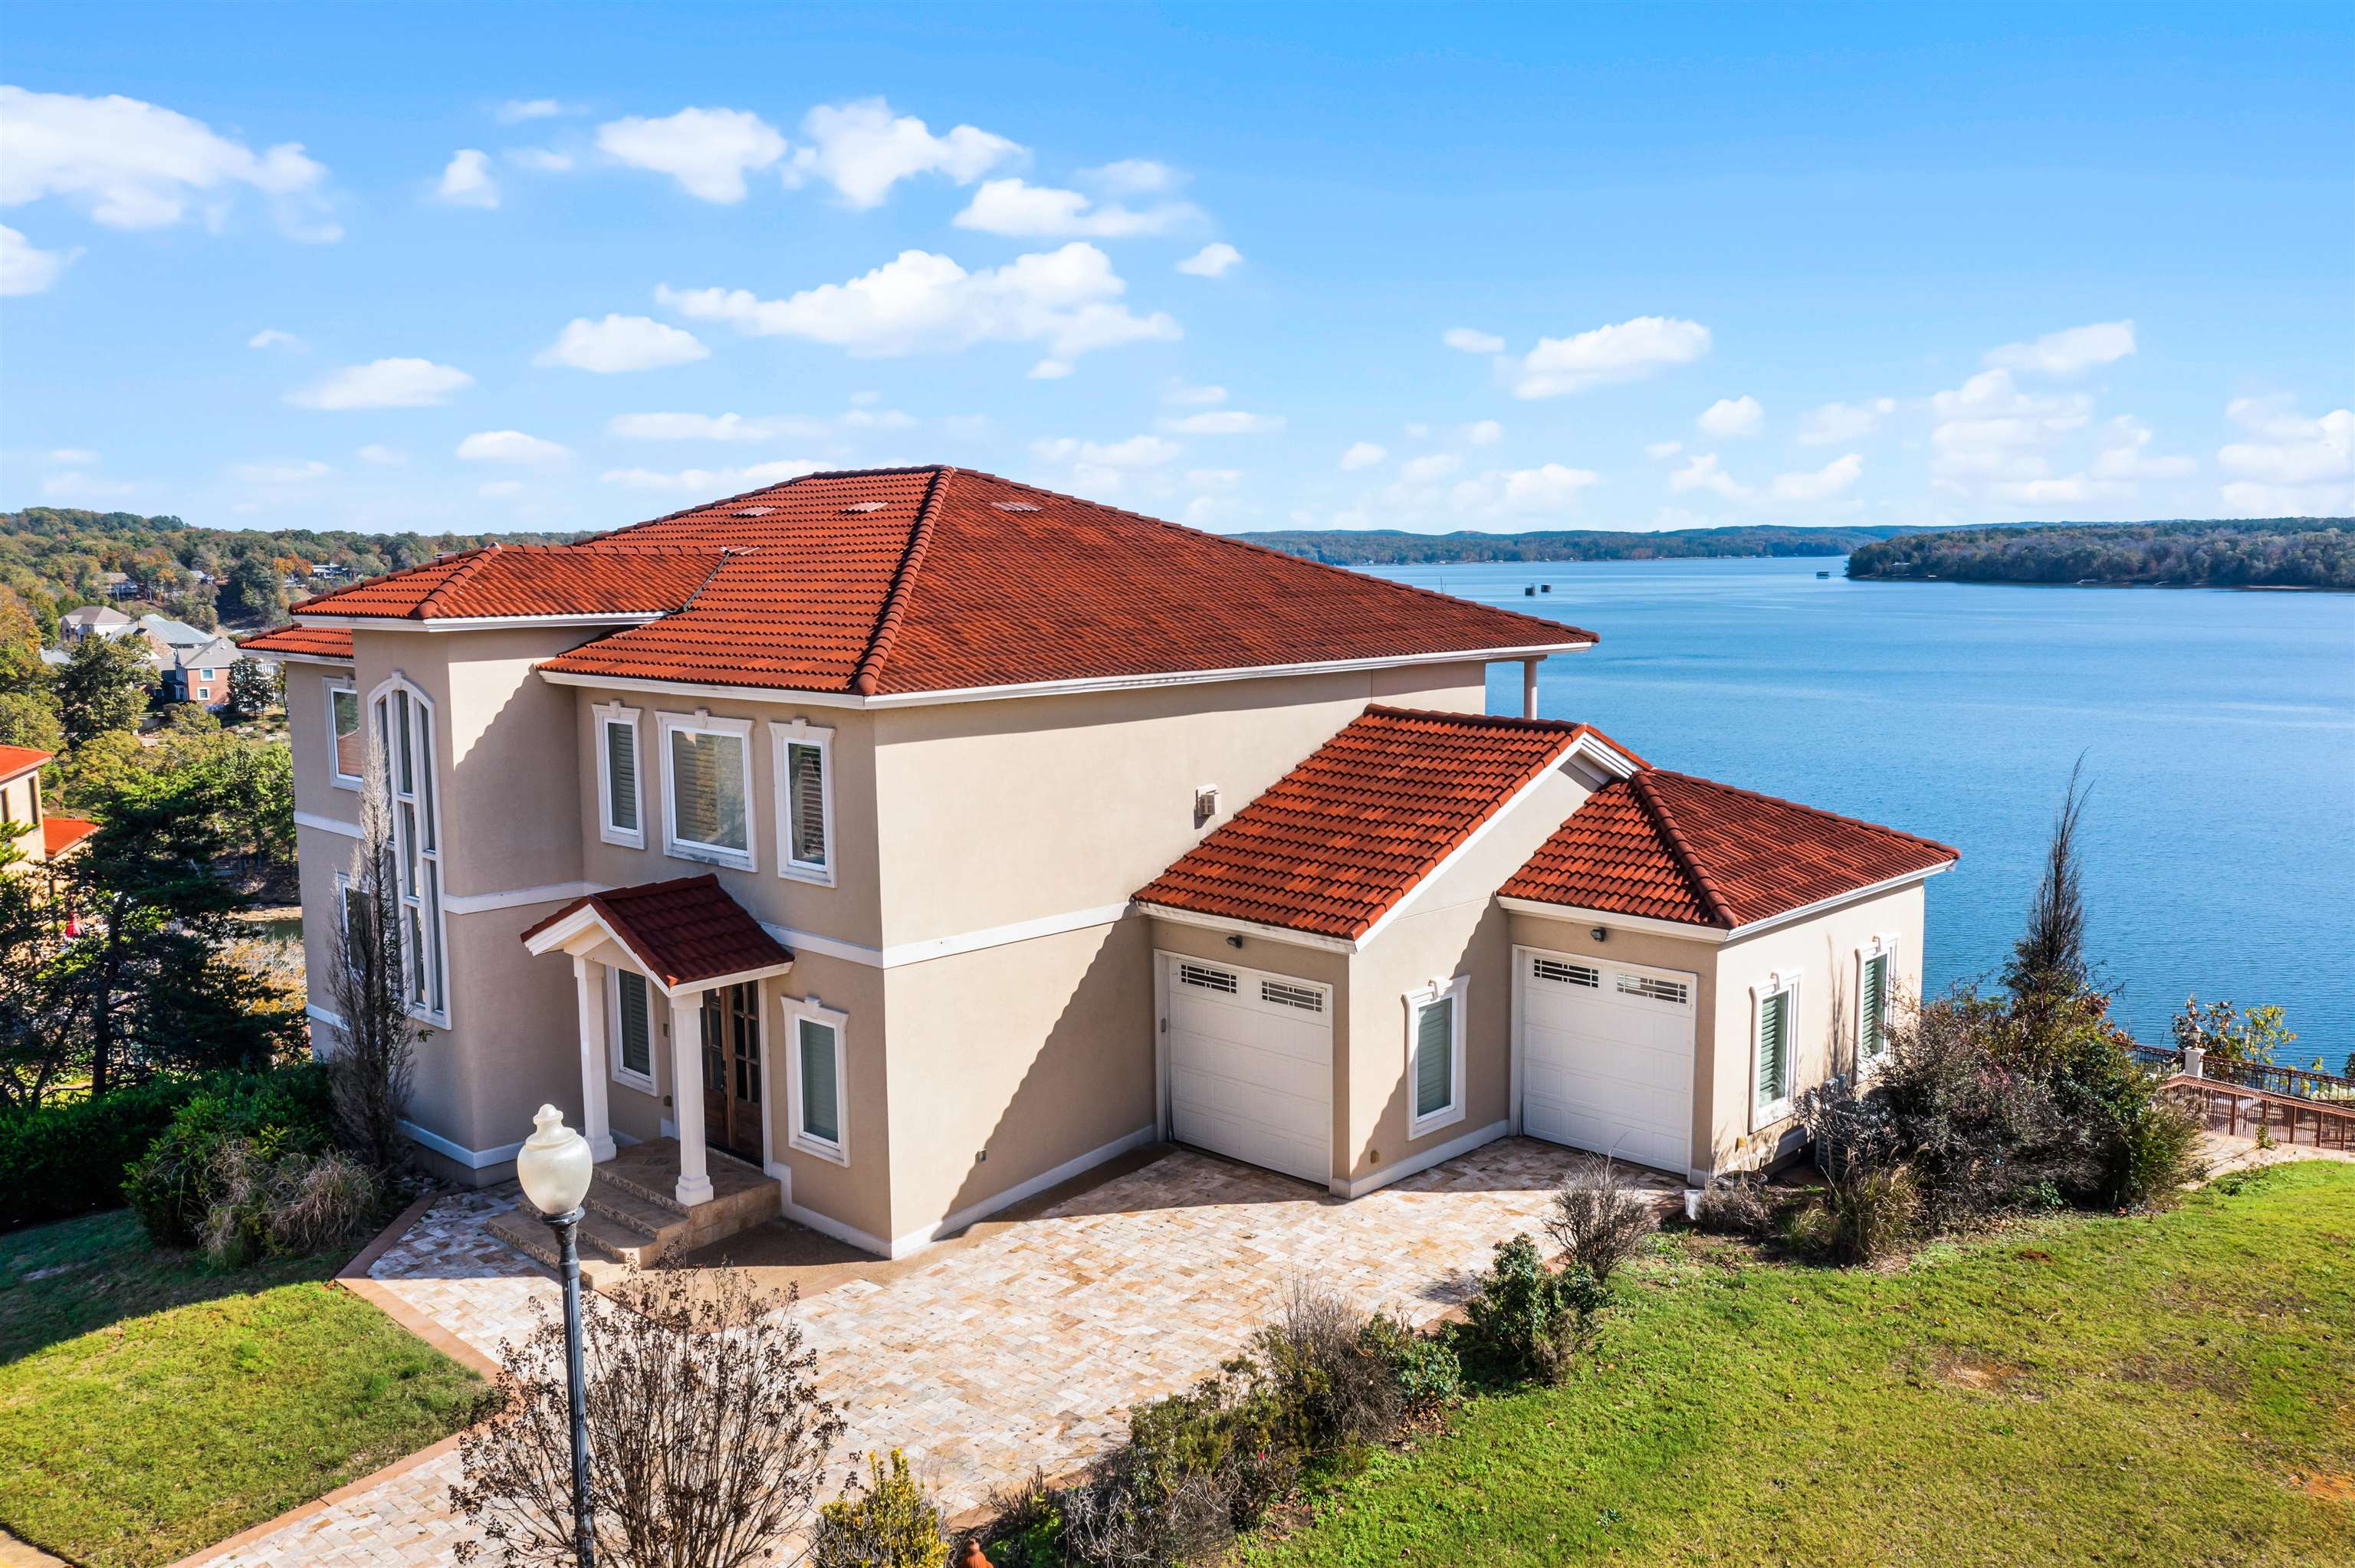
[(404, 735)]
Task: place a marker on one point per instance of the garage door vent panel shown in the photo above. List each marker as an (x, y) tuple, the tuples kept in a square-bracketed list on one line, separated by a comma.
[(1208, 979), (1656, 989), (1565, 974), (1305, 998)]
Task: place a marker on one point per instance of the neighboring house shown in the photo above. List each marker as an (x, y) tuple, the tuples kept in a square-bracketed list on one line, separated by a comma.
[(917, 838), (200, 673), (166, 633), (118, 585), (105, 620), (41, 836)]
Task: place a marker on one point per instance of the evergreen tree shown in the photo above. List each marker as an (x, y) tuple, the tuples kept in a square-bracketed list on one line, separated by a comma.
[(252, 690), (2049, 959), (103, 687)]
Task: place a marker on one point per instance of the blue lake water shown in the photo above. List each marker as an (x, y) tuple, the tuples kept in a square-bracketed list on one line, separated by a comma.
[(2218, 730)]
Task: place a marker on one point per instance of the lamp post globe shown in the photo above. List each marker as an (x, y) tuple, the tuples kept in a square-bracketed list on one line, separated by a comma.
[(555, 1167)]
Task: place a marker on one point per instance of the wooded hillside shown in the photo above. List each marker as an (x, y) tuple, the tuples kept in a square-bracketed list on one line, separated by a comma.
[(2270, 552)]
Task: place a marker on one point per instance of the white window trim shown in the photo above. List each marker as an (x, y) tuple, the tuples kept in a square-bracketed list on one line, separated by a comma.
[(1456, 991), (801, 732), (335, 776), (1880, 947), (1783, 982), (702, 722), (429, 763), (816, 1011), (643, 1082), (610, 715)]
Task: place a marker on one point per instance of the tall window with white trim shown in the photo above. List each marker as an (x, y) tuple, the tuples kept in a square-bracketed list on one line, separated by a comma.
[(634, 1034), (1872, 1003), (1775, 1033), (805, 770), (1434, 1022), (618, 821), (816, 1091), (707, 788), (347, 746), (404, 733)]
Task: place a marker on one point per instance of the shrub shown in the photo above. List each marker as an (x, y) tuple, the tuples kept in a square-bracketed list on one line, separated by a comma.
[(2227, 1034), (1197, 1468), (69, 1156), (1735, 1206), (1330, 1388), (889, 1522), (317, 1201), (1527, 1322), (1600, 1217), (280, 1113), (1425, 1366), (1026, 1528), (1870, 1212)]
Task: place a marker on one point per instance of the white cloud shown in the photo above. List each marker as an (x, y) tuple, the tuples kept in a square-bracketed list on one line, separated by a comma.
[(381, 455), (702, 428), (707, 151), (1362, 455), (130, 164), (85, 487), (80, 457), (1136, 452), (1703, 472), (1416, 429), (622, 343), (510, 446), (1051, 370), (270, 337), (1512, 492), (1843, 421), (711, 481), (2292, 465), (280, 471), (540, 160), (1213, 260), (1225, 422), (1625, 352), (1214, 477), (385, 383), (1471, 340), (25, 268), (1991, 430), (467, 181), (1429, 467), (515, 111), (1133, 176), (921, 303), (2067, 353), (2123, 454), (498, 489), (864, 419), (862, 150), (1822, 483), (1732, 417), (1014, 206), (1484, 433), (1659, 451), (2057, 492), (1186, 397)]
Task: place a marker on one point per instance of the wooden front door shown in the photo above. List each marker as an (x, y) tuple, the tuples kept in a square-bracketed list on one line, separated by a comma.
[(731, 1071)]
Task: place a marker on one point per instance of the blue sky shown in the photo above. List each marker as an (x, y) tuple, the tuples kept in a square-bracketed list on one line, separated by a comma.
[(437, 267)]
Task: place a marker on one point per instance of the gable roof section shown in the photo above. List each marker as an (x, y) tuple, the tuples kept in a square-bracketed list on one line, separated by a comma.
[(592, 579), (885, 582), (1670, 846), (309, 641), (60, 835), (17, 760), (683, 931), (1337, 843)]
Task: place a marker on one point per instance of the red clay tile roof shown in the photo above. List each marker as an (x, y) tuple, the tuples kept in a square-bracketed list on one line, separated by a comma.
[(1334, 845), (593, 577), (16, 759), (318, 641), (899, 580), (684, 930), (1669, 846), (60, 835)]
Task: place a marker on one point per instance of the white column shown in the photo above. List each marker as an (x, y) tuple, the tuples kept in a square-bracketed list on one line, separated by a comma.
[(596, 1121), (1530, 688), (686, 1094)]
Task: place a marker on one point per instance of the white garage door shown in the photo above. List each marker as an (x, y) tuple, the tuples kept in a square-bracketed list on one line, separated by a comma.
[(1250, 1065), (1607, 1056)]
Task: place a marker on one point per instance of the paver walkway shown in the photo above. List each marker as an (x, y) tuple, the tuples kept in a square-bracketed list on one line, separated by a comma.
[(1021, 1351)]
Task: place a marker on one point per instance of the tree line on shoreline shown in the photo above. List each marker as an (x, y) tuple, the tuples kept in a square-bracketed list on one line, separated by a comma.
[(2272, 551)]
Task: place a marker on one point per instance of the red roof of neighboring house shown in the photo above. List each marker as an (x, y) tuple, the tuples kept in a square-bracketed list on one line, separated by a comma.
[(60, 835), (896, 580), (596, 577), (16, 759), (318, 641), (1336, 844), (1669, 846), (683, 931)]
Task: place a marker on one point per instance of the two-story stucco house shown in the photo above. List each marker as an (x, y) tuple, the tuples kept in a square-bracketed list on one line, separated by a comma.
[(894, 844)]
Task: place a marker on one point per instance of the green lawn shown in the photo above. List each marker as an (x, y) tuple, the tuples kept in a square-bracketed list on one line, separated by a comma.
[(150, 1406), (2161, 1391)]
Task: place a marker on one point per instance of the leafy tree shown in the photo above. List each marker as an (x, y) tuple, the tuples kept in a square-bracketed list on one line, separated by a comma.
[(253, 590), (253, 690), (29, 718), (2049, 959), (102, 768), (104, 687), (2224, 1034)]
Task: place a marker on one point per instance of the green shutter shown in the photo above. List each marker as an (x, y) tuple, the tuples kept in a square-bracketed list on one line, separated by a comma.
[(1875, 1002), (637, 1052), (1773, 1048), (821, 1106), (622, 774), (1434, 1057)]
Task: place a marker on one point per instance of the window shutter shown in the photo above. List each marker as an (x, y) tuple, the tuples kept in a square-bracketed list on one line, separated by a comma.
[(622, 774), (637, 1054), (821, 1118), (1773, 1048), (1875, 1002), (1434, 1051), (806, 794)]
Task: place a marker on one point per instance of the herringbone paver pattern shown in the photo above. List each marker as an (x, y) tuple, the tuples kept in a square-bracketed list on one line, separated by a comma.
[(1024, 1350)]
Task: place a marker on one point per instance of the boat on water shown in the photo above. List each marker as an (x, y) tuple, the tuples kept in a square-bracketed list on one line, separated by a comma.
[(1823, 574)]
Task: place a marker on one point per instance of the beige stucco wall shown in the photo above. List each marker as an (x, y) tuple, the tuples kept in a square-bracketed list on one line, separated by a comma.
[(20, 802)]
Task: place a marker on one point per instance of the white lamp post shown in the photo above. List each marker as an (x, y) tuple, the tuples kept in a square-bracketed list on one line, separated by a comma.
[(555, 1167)]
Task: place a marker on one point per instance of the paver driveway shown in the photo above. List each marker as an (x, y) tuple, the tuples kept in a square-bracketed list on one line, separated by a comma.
[(1021, 1349)]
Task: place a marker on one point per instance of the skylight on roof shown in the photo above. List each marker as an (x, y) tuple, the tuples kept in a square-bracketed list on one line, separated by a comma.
[(865, 506), (1015, 506), (755, 511)]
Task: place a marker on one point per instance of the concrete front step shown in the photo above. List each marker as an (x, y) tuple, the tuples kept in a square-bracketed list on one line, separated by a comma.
[(600, 1239), (634, 1217)]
